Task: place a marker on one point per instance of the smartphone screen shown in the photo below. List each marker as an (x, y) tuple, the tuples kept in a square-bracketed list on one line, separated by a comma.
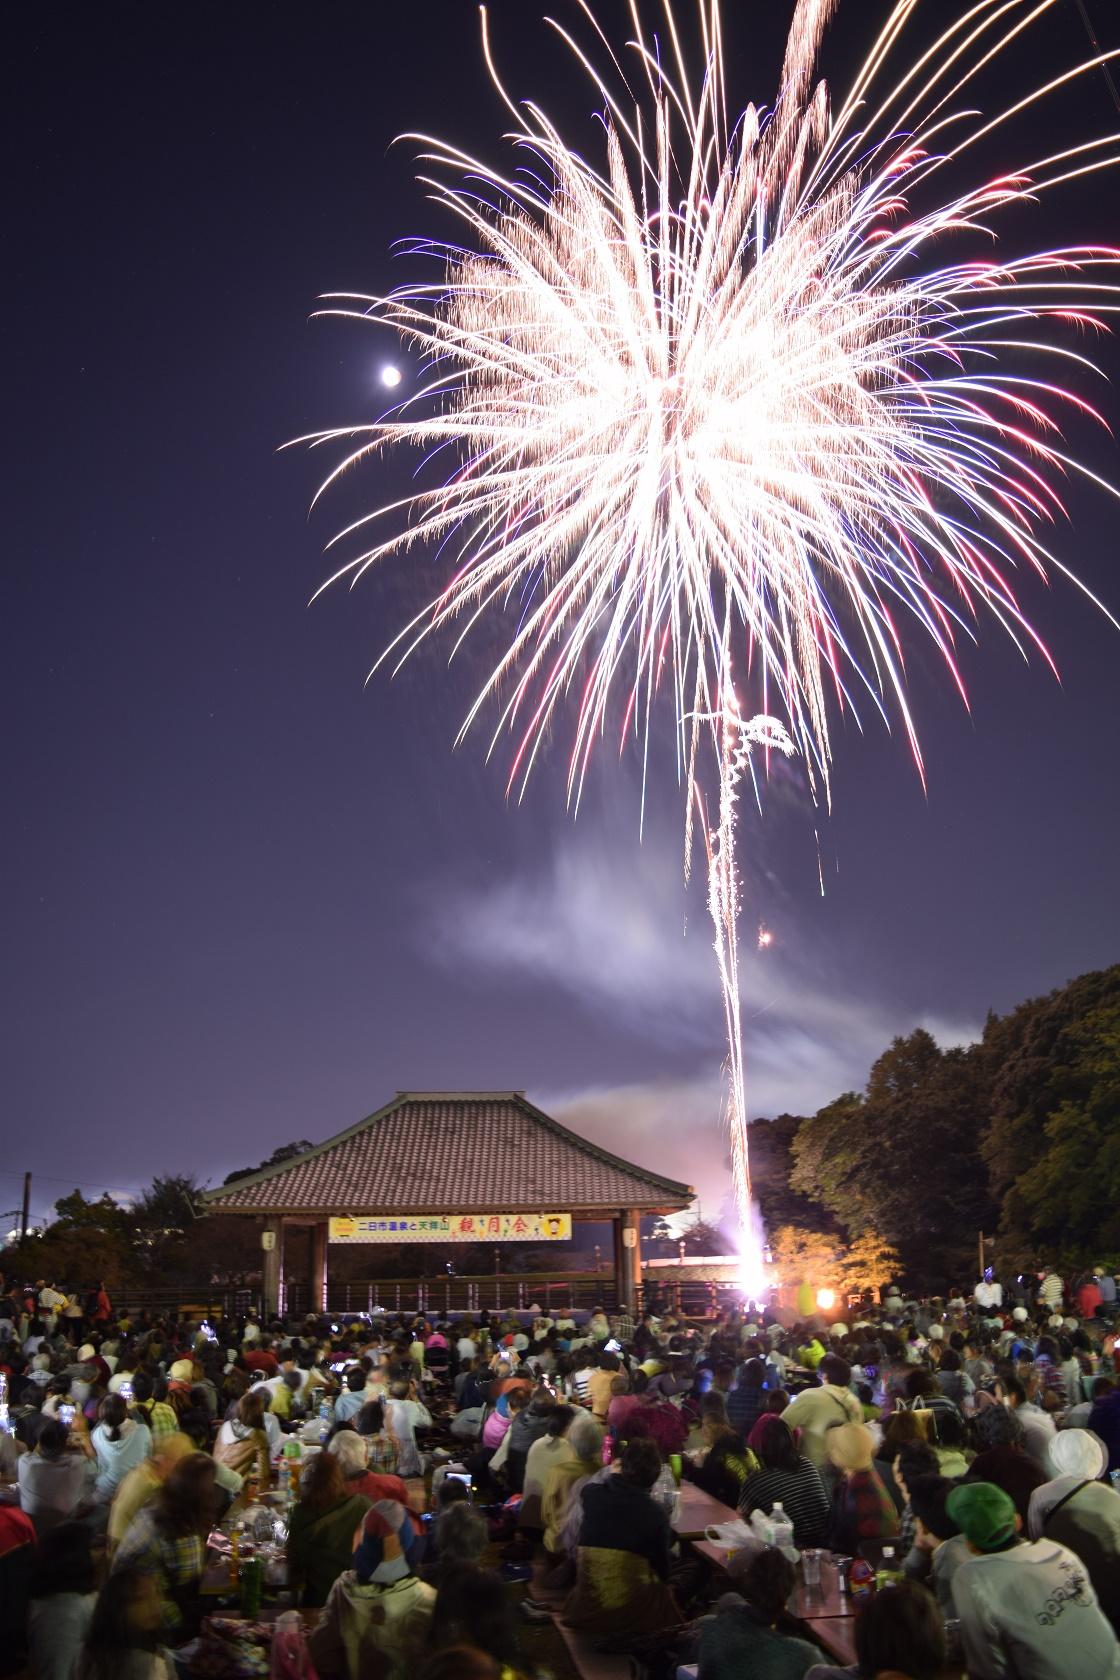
[(66, 1414)]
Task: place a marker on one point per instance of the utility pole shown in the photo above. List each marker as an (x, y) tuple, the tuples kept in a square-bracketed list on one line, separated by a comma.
[(25, 1212)]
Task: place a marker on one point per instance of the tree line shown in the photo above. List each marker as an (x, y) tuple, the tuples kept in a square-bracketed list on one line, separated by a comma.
[(1016, 1136)]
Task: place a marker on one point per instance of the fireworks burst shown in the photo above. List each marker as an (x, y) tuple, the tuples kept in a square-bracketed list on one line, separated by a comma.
[(720, 403)]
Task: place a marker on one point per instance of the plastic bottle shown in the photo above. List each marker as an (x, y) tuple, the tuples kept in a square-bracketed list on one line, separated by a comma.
[(324, 1420), (235, 1557), (664, 1490), (888, 1572), (284, 1478), (781, 1526), (608, 1446), (861, 1580)]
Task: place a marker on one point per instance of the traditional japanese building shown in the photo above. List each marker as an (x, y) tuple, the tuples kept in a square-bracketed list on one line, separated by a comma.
[(448, 1167)]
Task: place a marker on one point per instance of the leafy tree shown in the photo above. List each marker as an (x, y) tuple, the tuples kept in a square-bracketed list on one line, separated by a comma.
[(904, 1159), (803, 1256), (772, 1163), (169, 1205), (1067, 1200), (1045, 1061), (870, 1262)]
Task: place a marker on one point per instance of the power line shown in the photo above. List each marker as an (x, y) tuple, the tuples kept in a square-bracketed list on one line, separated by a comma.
[(1094, 42)]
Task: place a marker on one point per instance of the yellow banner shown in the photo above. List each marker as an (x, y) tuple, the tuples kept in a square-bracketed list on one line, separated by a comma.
[(451, 1227)]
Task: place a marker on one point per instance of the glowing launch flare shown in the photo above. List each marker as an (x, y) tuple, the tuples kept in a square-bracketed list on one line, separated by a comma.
[(737, 395)]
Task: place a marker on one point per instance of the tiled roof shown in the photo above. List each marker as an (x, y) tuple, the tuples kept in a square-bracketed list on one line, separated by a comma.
[(486, 1151)]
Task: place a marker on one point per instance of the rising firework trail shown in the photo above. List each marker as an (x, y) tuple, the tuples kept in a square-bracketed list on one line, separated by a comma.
[(738, 400)]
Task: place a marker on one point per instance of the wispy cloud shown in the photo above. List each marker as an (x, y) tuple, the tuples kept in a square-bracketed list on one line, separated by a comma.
[(606, 924)]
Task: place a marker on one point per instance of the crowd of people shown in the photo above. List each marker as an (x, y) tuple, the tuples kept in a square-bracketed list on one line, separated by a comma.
[(443, 1487)]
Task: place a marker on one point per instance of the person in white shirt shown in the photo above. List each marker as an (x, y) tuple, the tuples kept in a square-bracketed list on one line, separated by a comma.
[(1038, 1426), (1027, 1609), (404, 1414)]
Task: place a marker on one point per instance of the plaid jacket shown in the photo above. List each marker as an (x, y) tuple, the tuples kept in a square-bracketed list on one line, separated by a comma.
[(159, 1417), (175, 1561)]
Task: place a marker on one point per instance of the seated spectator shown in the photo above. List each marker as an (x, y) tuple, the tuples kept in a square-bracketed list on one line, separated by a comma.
[(1025, 1608), (862, 1509), (550, 1449), (914, 1458), (118, 1445), (1080, 1510), (125, 1632), (954, 1455), (142, 1485), (622, 1562), (62, 1601), (817, 1411), (242, 1444), (787, 1477), (1104, 1420), (1037, 1424), (459, 1536), (474, 1608), (381, 1449), (167, 1540), (586, 1441), (899, 1636), (377, 1615), (724, 1461), (1003, 1458), (530, 1424), (627, 1393), (54, 1483), (954, 1382), (938, 1547), (745, 1401), (157, 1416), (661, 1421), (352, 1398), (404, 1414), (321, 1528), (352, 1452), (750, 1632), (17, 1562)]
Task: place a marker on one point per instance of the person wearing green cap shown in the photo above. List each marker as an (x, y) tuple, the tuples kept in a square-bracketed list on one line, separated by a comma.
[(1027, 1609)]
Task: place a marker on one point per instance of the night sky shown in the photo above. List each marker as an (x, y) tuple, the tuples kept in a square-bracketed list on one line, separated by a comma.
[(247, 897)]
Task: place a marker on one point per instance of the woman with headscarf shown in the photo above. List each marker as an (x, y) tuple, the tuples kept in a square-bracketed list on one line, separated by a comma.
[(377, 1615)]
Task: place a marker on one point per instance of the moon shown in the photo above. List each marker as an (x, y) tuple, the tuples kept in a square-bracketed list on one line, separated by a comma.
[(390, 376)]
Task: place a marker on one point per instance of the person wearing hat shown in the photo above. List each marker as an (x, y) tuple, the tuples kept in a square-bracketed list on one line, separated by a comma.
[(378, 1614), (1081, 1511), (1027, 1609)]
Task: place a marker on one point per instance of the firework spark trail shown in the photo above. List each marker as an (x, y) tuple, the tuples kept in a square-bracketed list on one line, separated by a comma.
[(724, 397)]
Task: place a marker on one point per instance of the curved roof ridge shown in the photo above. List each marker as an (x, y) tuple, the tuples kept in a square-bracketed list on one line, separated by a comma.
[(436, 1155)]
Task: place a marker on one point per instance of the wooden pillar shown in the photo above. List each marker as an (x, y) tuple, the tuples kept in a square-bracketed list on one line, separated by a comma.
[(616, 1234), (319, 1267), (271, 1261), (631, 1260)]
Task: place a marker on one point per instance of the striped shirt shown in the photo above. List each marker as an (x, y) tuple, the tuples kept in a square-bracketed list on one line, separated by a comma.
[(801, 1494)]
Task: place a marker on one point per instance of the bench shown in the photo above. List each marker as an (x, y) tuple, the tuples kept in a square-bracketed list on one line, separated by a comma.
[(589, 1663)]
